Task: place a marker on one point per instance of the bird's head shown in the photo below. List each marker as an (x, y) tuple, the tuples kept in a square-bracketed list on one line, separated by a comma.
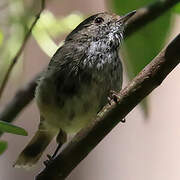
[(101, 26)]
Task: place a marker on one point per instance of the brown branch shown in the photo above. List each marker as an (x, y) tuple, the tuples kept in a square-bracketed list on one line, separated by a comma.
[(143, 84), (19, 101), (142, 17), (147, 14), (26, 38)]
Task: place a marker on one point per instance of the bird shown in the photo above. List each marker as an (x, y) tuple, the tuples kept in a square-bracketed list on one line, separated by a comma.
[(77, 82)]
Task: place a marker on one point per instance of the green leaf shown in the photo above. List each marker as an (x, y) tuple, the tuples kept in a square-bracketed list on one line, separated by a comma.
[(144, 45), (3, 146), (10, 128), (177, 8)]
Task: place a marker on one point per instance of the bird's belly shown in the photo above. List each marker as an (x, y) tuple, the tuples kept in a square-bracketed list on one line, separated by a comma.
[(72, 111), (76, 113)]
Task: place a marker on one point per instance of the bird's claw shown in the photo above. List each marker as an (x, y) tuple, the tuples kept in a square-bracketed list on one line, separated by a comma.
[(113, 95), (48, 161)]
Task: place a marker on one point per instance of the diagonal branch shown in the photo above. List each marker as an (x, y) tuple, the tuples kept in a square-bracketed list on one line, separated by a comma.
[(141, 18), (15, 59), (143, 84)]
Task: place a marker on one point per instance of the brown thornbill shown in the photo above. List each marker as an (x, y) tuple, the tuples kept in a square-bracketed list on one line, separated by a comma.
[(76, 84)]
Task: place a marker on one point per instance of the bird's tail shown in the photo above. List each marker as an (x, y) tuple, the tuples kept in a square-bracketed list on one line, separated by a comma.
[(33, 151)]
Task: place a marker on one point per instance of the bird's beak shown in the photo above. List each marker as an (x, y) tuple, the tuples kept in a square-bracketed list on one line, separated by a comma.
[(124, 18)]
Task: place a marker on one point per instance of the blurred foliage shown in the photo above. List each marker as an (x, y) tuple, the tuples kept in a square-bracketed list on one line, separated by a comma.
[(19, 18), (1, 37), (15, 20), (177, 8), (3, 146), (144, 45), (10, 128), (49, 27)]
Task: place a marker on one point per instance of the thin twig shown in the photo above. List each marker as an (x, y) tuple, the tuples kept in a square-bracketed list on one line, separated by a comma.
[(142, 85), (26, 38)]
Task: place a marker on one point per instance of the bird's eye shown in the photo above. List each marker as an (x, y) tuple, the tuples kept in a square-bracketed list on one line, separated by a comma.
[(99, 20)]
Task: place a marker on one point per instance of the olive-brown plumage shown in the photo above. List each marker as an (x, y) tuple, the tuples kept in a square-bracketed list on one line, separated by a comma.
[(77, 81)]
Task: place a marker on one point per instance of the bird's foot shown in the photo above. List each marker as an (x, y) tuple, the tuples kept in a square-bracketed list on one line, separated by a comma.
[(49, 160), (113, 95)]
